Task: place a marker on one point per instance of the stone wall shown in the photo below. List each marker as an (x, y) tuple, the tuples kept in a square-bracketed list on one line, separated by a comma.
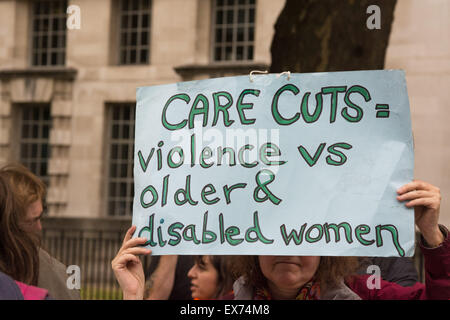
[(77, 167), (420, 45)]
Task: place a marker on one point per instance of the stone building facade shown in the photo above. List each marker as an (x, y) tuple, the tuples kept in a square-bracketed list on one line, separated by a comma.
[(67, 95), (420, 45)]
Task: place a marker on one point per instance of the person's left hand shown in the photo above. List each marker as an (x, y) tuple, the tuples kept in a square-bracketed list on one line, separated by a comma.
[(426, 200), (128, 268)]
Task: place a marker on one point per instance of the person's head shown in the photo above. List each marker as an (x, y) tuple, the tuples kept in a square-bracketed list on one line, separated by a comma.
[(288, 273), (18, 248), (210, 277), (29, 191), (285, 275)]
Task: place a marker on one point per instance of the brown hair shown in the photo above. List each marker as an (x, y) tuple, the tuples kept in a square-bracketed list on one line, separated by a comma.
[(28, 188), (223, 267), (331, 270), (19, 256)]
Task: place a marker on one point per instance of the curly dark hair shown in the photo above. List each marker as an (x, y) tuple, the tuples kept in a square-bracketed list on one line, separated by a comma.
[(331, 270)]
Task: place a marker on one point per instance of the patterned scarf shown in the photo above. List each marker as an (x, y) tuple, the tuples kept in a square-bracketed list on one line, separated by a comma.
[(310, 291)]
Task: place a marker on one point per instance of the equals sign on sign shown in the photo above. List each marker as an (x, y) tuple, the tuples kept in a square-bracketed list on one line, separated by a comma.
[(382, 110)]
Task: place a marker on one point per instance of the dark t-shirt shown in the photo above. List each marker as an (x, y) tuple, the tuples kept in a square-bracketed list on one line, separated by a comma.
[(181, 287), (393, 269)]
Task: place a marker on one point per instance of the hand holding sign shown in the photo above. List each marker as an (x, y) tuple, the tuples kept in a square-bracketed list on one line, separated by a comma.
[(128, 268), (229, 166), (426, 200)]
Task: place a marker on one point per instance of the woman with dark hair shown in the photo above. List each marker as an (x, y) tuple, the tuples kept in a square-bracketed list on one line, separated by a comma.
[(210, 277)]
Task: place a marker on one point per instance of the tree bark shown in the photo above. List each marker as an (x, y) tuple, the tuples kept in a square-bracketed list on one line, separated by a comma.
[(330, 35)]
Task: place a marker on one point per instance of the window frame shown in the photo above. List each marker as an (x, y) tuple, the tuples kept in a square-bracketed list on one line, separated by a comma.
[(49, 50), (246, 44), (118, 31), (109, 199), (18, 119)]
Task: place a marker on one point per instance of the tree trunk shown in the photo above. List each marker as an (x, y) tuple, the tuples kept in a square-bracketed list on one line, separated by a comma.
[(330, 35)]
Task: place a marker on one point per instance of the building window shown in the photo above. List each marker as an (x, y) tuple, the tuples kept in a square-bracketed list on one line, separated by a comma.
[(48, 33), (34, 146), (134, 42), (233, 30), (120, 140)]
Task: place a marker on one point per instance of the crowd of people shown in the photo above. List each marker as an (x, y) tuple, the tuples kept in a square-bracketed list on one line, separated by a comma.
[(301, 277), (27, 271)]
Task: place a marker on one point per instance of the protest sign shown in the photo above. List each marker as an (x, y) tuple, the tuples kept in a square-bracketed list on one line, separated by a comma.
[(302, 164)]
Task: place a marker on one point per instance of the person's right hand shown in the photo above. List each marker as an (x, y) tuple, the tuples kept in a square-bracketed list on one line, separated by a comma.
[(128, 268)]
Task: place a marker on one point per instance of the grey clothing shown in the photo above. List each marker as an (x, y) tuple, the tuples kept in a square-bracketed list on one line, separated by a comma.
[(53, 277), (342, 292)]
